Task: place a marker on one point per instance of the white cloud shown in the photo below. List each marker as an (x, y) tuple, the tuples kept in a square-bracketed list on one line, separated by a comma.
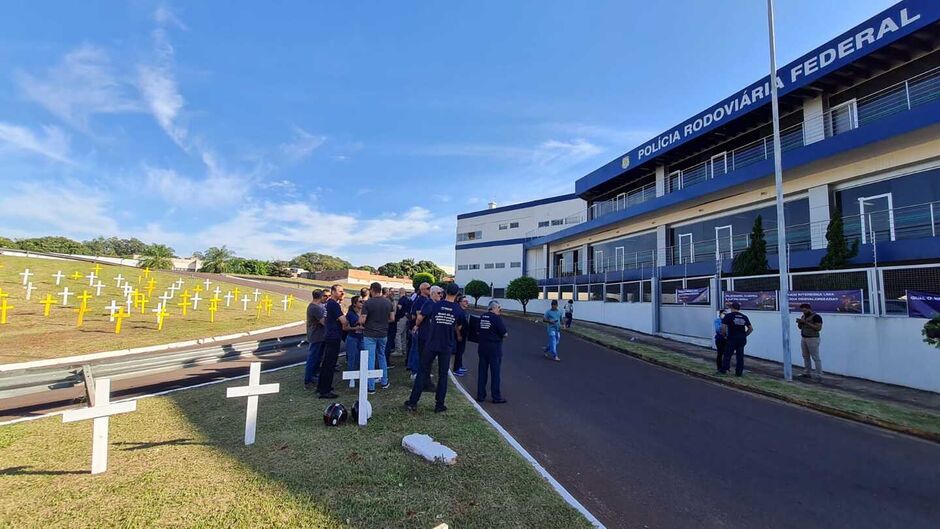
[(217, 189), (564, 153), (164, 16), (82, 84), (302, 145), (53, 143), (157, 83), (57, 208)]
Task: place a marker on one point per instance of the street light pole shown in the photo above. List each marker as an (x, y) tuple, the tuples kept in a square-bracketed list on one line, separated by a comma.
[(783, 265)]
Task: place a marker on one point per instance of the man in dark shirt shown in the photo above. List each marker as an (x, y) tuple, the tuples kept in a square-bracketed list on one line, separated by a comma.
[(810, 325), (376, 313), (403, 340), (414, 352), (490, 350), (735, 327), (442, 323), (315, 335), (459, 369), (333, 335)]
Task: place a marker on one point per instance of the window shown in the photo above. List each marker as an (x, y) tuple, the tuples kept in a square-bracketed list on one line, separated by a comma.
[(515, 264), (488, 266), (499, 292), (503, 226), (474, 267), (596, 292), (631, 292), (543, 224), (463, 267), (558, 222), (500, 265), (843, 117), (469, 236), (612, 292), (513, 225)]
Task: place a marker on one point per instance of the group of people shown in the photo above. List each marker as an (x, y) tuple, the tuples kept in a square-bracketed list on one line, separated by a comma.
[(432, 324), (732, 327)]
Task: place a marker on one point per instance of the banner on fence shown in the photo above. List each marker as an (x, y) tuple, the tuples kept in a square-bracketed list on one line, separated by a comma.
[(844, 301), (761, 300), (922, 304), (692, 295)]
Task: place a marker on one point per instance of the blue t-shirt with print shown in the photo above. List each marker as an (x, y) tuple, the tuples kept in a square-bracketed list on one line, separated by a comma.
[(440, 323)]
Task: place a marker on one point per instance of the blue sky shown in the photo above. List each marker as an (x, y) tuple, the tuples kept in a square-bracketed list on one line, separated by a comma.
[(360, 130)]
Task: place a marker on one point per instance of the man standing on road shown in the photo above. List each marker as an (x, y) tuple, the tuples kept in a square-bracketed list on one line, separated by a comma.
[(376, 313), (735, 327), (442, 321), (810, 325), (334, 333), (490, 351), (552, 318), (315, 334), (569, 313)]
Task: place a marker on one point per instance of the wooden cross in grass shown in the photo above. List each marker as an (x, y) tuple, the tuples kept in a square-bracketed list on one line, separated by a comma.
[(196, 300), (25, 275), (147, 272), (4, 307), (58, 277), (184, 304), (363, 375), (65, 296), (84, 297), (252, 391), (113, 308), (76, 275), (29, 290), (97, 268), (100, 413), (48, 302), (161, 315), (118, 318), (212, 309)]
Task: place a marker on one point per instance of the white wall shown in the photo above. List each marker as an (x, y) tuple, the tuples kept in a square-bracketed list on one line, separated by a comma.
[(499, 277), (527, 217), (636, 316), (690, 321)]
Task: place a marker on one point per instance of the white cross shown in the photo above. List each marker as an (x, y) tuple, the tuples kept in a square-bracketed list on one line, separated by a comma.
[(120, 279), (65, 296), (58, 277), (112, 308), (164, 298), (98, 286), (245, 301), (130, 303), (195, 299), (25, 275), (256, 293), (363, 375), (228, 298), (100, 412), (157, 311), (252, 390), (179, 283), (91, 279), (207, 283), (128, 289), (216, 291), (284, 302), (29, 290)]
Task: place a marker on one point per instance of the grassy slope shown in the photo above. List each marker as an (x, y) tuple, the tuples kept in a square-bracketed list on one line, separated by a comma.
[(30, 336), (179, 460)]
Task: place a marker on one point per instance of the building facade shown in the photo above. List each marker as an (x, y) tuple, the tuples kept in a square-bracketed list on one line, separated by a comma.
[(359, 277), (860, 140), (490, 242)]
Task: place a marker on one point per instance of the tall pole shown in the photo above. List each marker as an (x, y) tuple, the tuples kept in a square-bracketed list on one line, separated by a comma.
[(781, 220)]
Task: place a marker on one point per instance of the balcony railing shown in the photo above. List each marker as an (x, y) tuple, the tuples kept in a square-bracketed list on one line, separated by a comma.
[(623, 201), (901, 97)]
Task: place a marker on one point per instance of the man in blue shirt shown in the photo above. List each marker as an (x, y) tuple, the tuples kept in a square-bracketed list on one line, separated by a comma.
[(403, 341), (720, 341), (333, 335), (441, 323), (490, 350), (414, 350), (735, 327), (552, 318)]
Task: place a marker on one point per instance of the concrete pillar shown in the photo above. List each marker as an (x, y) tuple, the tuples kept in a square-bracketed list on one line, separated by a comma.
[(585, 260), (547, 261), (660, 180), (814, 120), (818, 215), (661, 244), (714, 295), (656, 299)]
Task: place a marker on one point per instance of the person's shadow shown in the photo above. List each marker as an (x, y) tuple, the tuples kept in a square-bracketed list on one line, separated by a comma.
[(26, 470)]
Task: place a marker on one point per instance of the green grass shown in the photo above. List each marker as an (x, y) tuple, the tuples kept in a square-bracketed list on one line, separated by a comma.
[(28, 335), (879, 412), (179, 461)]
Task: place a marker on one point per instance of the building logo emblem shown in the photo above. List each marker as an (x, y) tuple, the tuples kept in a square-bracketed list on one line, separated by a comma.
[(625, 162)]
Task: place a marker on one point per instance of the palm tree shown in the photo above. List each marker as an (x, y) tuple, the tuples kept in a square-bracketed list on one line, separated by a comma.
[(216, 260), (157, 257)]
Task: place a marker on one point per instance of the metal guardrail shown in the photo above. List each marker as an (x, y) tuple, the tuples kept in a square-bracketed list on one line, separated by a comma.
[(26, 381)]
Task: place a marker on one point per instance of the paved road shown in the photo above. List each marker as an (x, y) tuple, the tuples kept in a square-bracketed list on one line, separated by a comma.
[(642, 446)]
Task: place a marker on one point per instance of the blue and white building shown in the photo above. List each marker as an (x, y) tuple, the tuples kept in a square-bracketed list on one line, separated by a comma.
[(860, 131)]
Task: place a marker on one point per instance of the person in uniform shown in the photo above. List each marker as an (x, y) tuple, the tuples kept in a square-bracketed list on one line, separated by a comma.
[(490, 352), (441, 319), (459, 369), (735, 327)]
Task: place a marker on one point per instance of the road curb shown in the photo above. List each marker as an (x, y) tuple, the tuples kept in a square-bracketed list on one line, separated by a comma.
[(822, 408)]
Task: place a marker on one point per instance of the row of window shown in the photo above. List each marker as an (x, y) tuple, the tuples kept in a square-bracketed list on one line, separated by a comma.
[(553, 222), (508, 225), (489, 266), (470, 236), (629, 292)]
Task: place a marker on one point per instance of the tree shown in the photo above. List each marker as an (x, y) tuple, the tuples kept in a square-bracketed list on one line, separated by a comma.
[(391, 270), (158, 257), (318, 262), (931, 332), (522, 289), (52, 245), (217, 260), (280, 269), (753, 260), (421, 277), (431, 268), (477, 289), (7, 243), (254, 267), (838, 251), (368, 268)]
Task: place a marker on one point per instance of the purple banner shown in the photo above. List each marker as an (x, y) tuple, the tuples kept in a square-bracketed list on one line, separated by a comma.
[(844, 301), (762, 300), (692, 295), (922, 304)]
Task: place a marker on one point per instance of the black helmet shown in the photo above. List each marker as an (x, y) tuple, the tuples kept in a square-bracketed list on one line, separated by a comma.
[(355, 411), (335, 415)]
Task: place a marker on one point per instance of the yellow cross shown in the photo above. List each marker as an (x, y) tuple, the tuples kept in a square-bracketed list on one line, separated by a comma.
[(197, 288), (185, 304), (139, 278), (212, 309), (118, 319), (160, 317), (214, 302), (77, 275), (3, 311), (136, 294), (290, 301), (236, 292), (185, 296), (48, 302), (97, 269), (143, 303), (84, 297), (81, 315), (150, 286), (147, 271), (268, 304), (259, 307)]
